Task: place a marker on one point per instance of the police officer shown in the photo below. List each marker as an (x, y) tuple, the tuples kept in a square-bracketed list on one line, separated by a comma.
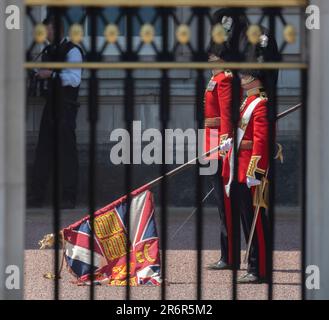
[(67, 108)]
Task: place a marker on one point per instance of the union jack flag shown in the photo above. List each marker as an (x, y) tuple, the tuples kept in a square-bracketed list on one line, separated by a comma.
[(110, 244)]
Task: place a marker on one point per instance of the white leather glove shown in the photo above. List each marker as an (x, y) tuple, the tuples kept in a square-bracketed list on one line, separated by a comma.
[(251, 182), (226, 145)]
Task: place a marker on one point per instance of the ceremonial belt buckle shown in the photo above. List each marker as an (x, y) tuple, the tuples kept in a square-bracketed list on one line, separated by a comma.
[(212, 122), (246, 145)]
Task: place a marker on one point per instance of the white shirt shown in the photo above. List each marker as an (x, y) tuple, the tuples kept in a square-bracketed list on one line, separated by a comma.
[(72, 77)]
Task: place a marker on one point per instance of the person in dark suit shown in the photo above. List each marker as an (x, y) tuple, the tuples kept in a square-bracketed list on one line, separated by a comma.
[(65, 94)]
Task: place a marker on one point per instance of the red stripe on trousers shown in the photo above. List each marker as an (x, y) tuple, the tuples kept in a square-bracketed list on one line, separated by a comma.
[(261, 245), (228, 218)]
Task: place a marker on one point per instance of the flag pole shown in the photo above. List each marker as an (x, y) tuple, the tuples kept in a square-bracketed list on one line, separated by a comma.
[(202, 157), (48, 240), (288, 111)]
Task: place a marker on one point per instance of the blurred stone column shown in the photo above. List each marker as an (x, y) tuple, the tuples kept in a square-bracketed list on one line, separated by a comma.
[(12, 155), (318, 154)]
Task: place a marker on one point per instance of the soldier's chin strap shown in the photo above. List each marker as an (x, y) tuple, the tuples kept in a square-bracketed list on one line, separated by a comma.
[(245, 81)]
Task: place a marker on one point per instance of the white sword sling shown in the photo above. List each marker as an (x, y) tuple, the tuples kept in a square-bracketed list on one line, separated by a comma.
[(240, 134)]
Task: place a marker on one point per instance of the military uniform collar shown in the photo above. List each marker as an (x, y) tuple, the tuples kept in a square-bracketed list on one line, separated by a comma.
[(254, 92)]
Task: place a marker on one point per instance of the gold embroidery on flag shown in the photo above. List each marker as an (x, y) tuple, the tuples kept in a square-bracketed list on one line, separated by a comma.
[(106, 225), (115, 246), (146, 253)]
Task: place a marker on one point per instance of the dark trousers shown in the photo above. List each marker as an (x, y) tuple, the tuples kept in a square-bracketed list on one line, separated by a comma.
[(243, 198), (68, 156), (217, 183)]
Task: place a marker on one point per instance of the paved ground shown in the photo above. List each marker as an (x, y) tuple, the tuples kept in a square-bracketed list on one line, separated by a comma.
[(181, 263)]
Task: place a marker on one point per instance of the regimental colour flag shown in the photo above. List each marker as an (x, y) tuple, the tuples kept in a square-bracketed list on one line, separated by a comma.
[(110, 244)]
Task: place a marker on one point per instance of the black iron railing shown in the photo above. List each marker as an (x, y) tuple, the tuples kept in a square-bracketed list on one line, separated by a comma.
[(165, 59)]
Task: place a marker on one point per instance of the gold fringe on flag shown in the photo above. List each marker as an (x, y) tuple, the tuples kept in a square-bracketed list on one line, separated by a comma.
[(48, 242)]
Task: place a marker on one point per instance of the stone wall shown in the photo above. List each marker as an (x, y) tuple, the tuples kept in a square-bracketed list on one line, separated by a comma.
[(182, 115)]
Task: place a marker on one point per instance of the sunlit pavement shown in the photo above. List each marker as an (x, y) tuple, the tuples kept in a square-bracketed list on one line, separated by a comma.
[(181, 262)]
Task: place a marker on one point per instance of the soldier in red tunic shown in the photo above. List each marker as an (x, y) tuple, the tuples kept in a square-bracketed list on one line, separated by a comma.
[(218, 126), (253, 151), (249, 195), (217, 129)]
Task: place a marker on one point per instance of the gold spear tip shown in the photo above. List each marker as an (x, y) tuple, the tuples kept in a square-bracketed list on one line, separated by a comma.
[(48, 241)]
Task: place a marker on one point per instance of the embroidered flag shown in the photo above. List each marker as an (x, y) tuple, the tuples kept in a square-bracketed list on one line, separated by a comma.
[(110, 243)]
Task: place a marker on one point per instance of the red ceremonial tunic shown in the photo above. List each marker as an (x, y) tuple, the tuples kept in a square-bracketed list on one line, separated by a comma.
[(254, 148), (217, 111)]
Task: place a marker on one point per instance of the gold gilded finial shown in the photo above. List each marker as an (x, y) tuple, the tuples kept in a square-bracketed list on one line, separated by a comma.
[(111, 33), (76, 33), (40, 33), (147, 33), (289, 33), (48, 241), (254, 33), (183, 34), (218, 34)]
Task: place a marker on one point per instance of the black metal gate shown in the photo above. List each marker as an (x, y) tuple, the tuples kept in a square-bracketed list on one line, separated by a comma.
[(164, 58)]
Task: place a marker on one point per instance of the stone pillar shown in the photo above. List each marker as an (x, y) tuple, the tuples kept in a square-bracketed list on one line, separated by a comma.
[(12, 154), (318, 154)]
